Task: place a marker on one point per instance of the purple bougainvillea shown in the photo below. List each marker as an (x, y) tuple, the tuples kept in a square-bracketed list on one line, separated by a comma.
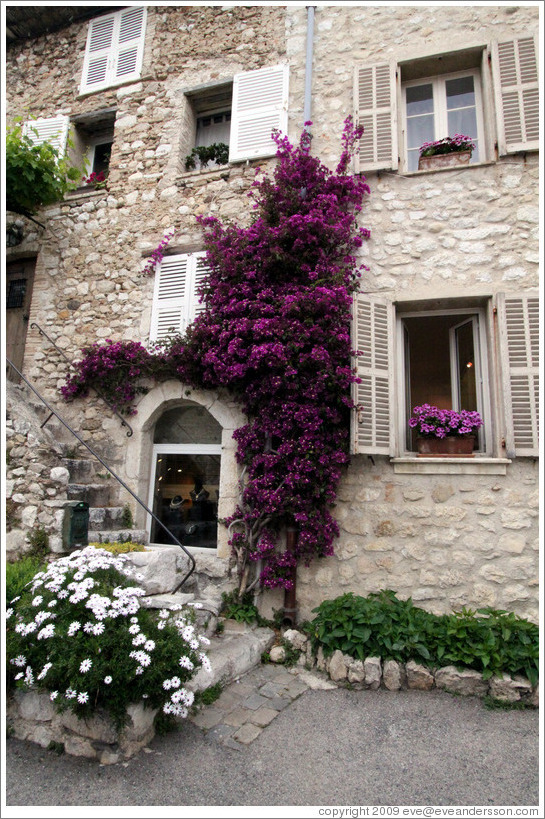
[(275, 332)]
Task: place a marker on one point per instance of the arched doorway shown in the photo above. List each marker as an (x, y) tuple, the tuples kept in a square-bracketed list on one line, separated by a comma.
[(185, 478)]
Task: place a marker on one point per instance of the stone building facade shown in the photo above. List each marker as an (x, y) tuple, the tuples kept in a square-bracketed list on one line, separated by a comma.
[(452, 262)]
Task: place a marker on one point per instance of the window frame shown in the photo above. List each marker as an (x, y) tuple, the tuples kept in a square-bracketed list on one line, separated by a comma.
[(400, 409), (111, 52), (440, 110)]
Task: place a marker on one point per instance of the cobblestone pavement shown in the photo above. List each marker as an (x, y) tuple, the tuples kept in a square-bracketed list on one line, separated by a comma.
[(247, 705)]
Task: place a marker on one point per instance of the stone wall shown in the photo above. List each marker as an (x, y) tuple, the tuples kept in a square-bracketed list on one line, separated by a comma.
[(447, 540)]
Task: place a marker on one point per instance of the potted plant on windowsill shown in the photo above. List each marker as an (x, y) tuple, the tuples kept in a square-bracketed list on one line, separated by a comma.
[(443, 432), (446, 153)]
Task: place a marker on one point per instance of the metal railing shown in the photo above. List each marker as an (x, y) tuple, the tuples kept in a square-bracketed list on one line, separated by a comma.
[(124, 423), (114, 474)]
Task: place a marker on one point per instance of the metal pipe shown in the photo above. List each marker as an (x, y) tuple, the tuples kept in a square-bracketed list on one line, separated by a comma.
[(290, 595), (308, 67), (110, 470)]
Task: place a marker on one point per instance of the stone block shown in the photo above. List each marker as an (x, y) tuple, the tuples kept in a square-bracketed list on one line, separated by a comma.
[(356, 672), (418, 676), (35, 706), (296, 638), (161, 569), (508, 688), (466, 682), (373, 672), (394, 676), (277, 654), (98, 727), (338, 669)]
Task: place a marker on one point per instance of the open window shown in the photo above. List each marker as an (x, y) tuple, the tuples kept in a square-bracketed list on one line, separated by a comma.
[(241, 113), (447, 353), (93, 137)]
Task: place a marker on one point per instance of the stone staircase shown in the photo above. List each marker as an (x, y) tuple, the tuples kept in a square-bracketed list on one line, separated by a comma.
[(99, 489)]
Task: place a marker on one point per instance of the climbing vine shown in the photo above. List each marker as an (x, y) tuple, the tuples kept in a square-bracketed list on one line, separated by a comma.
[(276, 334)]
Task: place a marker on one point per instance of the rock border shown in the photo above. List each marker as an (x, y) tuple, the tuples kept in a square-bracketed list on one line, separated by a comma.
[(372, 673), (31, 715)]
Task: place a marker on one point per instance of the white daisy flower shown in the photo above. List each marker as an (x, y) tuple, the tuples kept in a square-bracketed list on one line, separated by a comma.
[(107, 680), (53, 695), (85, 665), (83, 697)]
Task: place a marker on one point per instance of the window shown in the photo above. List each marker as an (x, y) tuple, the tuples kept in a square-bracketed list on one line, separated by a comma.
[(242, 113), (114, 50), (440, 354), (440, 107), (175, 299), (93, 140), (443, 94), (186, 476)]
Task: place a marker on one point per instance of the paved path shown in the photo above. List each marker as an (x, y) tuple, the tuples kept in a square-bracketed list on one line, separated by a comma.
[(272, 740)]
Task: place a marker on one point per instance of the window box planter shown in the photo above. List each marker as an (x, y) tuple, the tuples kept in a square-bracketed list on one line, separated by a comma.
[(451, 447), (439, 161)]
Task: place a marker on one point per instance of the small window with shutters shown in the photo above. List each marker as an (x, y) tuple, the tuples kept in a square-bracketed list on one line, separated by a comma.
[(176, 299), (424, 99), (409, 355), (240, 114), (114, 50)]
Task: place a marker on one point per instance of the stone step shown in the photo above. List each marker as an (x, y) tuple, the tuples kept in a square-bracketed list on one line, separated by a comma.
[(95, 494), (232, 654), (118, 536), (106, 518), (83, 470)]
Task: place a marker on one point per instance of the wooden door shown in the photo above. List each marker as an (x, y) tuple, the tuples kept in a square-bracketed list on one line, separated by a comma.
[(19, 281)]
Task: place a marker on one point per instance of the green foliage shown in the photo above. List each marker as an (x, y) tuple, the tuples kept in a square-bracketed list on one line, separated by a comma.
[(12, 514), (494, 704), (79, 632), (39, 542), (381, 625), (218, 153), (120, 547), (242, 609), (126, 517), (291, 654), (19, 573), (209, 695), (36, 175)]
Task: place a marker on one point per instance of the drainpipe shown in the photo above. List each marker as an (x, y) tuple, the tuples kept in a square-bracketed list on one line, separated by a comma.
[(290, 602), (308, 67)]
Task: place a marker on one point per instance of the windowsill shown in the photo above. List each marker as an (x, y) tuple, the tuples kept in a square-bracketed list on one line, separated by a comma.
[(83, 194), (205, 174), (447, 170), (410, 465)]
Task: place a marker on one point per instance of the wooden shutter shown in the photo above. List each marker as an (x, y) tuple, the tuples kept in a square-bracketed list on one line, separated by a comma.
[(375, 109), (373, 338), (519, 346), (175, 299), (171, 298), (115, 47), (53, 130), (517, 94), (130, 46), (201, 271), (260, 103)]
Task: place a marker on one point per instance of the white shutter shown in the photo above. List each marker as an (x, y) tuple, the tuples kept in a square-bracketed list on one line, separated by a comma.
[(53, 130), (175, 299), (115, 47), (201, 271), (519, 346), (260, 103), (372, 337), (517, 95), (171, 298), (375, 109), (130, 43)]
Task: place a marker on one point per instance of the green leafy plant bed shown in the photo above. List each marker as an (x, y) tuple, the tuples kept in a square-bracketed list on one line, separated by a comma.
[(120, 548), (490, 641)]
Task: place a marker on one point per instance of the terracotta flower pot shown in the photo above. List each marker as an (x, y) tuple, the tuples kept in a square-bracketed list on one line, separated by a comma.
[(452, 446), (437, 161)]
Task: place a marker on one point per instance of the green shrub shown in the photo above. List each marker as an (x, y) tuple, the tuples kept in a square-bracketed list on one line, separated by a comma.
[(19, 573), (382, 625), (79, 632), (218, 153), (126, 517), (242, 609), (39, 542)]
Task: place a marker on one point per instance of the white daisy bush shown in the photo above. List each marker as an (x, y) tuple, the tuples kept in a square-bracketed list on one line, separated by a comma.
[(79, 632)]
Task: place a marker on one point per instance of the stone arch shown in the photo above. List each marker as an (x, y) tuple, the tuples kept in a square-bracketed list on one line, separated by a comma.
[(139, 448)]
